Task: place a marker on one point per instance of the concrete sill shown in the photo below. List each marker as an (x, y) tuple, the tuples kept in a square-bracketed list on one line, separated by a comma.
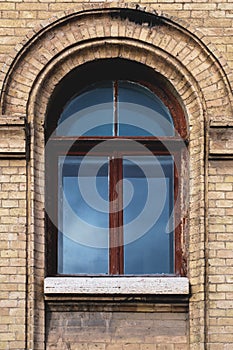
[(117, 285)]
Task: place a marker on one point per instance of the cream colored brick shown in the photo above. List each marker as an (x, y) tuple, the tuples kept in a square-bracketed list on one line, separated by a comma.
[(33, 6), (224, 203), (10, 14), (165, 347), (9, 254), (27, 14), (17, 178), (4, 178), (217, 228), (229, 195), (147, 347), (7, 6), (10, 203), (8, 220), (4, 211), (224, 186), (225, 253)]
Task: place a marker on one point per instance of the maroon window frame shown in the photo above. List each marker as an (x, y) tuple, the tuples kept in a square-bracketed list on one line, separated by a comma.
[(82, 145)]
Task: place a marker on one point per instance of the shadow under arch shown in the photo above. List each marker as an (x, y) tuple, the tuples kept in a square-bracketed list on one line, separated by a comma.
[(113, 69)]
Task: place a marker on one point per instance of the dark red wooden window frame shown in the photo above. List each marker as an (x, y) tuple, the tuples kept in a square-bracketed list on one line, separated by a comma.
[(82, 145)]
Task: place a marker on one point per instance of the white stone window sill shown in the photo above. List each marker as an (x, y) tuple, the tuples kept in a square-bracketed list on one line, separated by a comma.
[(117, 285)]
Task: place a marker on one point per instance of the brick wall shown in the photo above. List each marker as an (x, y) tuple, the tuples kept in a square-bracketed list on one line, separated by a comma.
[(13, 254), (196, 57), (12, 233), (220, 269), (212, 18)]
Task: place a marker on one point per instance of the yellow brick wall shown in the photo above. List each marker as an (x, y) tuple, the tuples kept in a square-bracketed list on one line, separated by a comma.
[(220, 242), (213, 21), (213, 18), (13, 254)]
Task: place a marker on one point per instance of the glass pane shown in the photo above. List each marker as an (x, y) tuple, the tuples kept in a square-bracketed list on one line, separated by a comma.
[(148, 217), (90, 113), (83, 215), (141, 113)]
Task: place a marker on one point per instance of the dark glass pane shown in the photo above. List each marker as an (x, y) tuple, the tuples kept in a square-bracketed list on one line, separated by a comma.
[(148, 217), (141, 113), (90, 113), (83, 215)]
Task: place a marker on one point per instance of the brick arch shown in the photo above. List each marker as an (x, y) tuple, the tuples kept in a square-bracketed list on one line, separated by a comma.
[(134, 34), (173, 37), (185, 86)]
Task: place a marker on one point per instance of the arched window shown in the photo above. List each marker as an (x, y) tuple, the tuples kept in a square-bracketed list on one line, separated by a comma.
[(113, 159), (115, 108)]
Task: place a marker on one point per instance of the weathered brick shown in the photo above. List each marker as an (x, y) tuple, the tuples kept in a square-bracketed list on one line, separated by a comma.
[(214, 22)]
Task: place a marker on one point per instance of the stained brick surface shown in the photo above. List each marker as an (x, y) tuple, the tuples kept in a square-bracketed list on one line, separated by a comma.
[(116, 330)]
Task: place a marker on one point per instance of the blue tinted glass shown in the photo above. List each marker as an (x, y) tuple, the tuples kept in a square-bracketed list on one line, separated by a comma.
[(90, 113), (141, 113), (83, 215), (148, 216)]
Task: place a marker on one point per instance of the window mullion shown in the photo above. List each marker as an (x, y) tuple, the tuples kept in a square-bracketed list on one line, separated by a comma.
[(120, 216), (115, 217), (115, 107)]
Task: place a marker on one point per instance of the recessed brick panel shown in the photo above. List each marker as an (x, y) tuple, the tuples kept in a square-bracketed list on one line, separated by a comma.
[(116, 330)]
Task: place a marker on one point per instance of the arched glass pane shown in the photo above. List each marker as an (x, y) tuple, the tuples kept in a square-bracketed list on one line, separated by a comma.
[(89, 114), (141, 113), (138, 112)]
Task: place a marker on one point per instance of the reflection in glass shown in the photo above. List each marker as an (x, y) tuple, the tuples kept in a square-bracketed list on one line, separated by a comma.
[(152, 253), (141, 113), (78, 217), (138, 112), (89, 114)]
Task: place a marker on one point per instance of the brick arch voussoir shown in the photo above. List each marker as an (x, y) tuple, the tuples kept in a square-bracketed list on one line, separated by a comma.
[(184, 83)]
